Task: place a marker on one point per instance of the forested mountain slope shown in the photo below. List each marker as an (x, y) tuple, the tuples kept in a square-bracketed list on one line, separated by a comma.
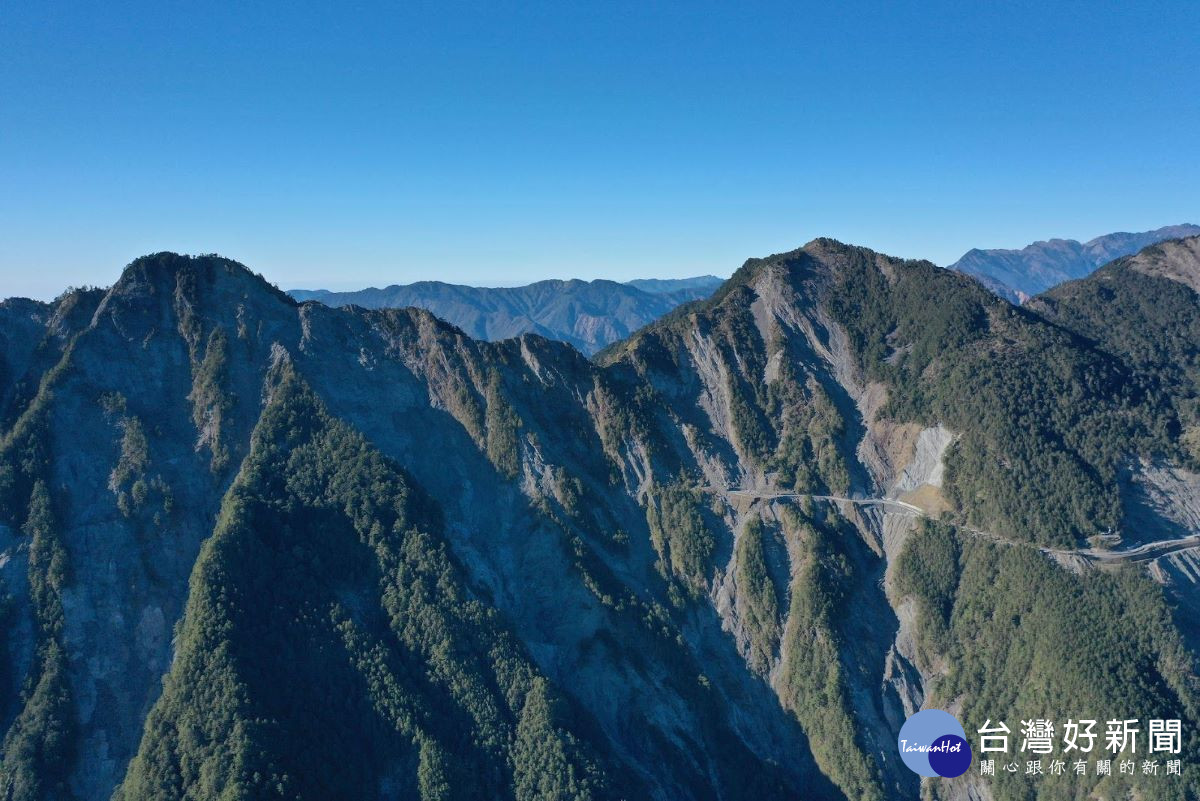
[(1143, 309), (400, 562)]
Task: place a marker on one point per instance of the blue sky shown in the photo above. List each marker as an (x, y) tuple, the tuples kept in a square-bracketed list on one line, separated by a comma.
[(350, 144)]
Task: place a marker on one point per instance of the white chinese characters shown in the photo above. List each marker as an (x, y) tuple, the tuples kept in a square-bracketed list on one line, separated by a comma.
[(1040, 736)]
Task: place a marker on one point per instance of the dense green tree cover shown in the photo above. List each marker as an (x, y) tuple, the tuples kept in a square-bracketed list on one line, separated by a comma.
[(811, 456), (503, 447), (681, 536), (1023, 637), (36, 753), (543, 766), (758, 597), (812, 681), (24, 456), (928, 571), (1151, 322), (750, 431), (329, 648)]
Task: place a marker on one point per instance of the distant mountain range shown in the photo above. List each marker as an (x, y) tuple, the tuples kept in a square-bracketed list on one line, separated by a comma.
[(1020, 274), (591, 315), (588, 314)]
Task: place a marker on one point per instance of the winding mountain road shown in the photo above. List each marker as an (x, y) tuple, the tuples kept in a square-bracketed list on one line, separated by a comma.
[(1144, 552), (836, 498)]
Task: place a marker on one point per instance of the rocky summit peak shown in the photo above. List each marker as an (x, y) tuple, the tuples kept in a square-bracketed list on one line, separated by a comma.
[(168, 271)]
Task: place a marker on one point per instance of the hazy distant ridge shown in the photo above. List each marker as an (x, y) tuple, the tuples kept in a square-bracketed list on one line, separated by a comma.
[(587, 314), (1020, 274)]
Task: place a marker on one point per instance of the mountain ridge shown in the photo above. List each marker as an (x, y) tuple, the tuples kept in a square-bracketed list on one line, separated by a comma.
[(670, 637), (587, 314), (1018, 274)]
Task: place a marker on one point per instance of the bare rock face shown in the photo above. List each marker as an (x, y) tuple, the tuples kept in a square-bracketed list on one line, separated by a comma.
[(1164, 500), (1176, 261)]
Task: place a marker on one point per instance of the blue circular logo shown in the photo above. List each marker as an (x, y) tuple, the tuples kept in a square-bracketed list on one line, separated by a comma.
[(933, 743)]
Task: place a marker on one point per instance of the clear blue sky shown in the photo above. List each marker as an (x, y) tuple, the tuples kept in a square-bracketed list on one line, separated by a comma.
[(349, 144)]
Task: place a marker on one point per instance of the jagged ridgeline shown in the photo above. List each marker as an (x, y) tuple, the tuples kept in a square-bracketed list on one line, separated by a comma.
[(252, 548)]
